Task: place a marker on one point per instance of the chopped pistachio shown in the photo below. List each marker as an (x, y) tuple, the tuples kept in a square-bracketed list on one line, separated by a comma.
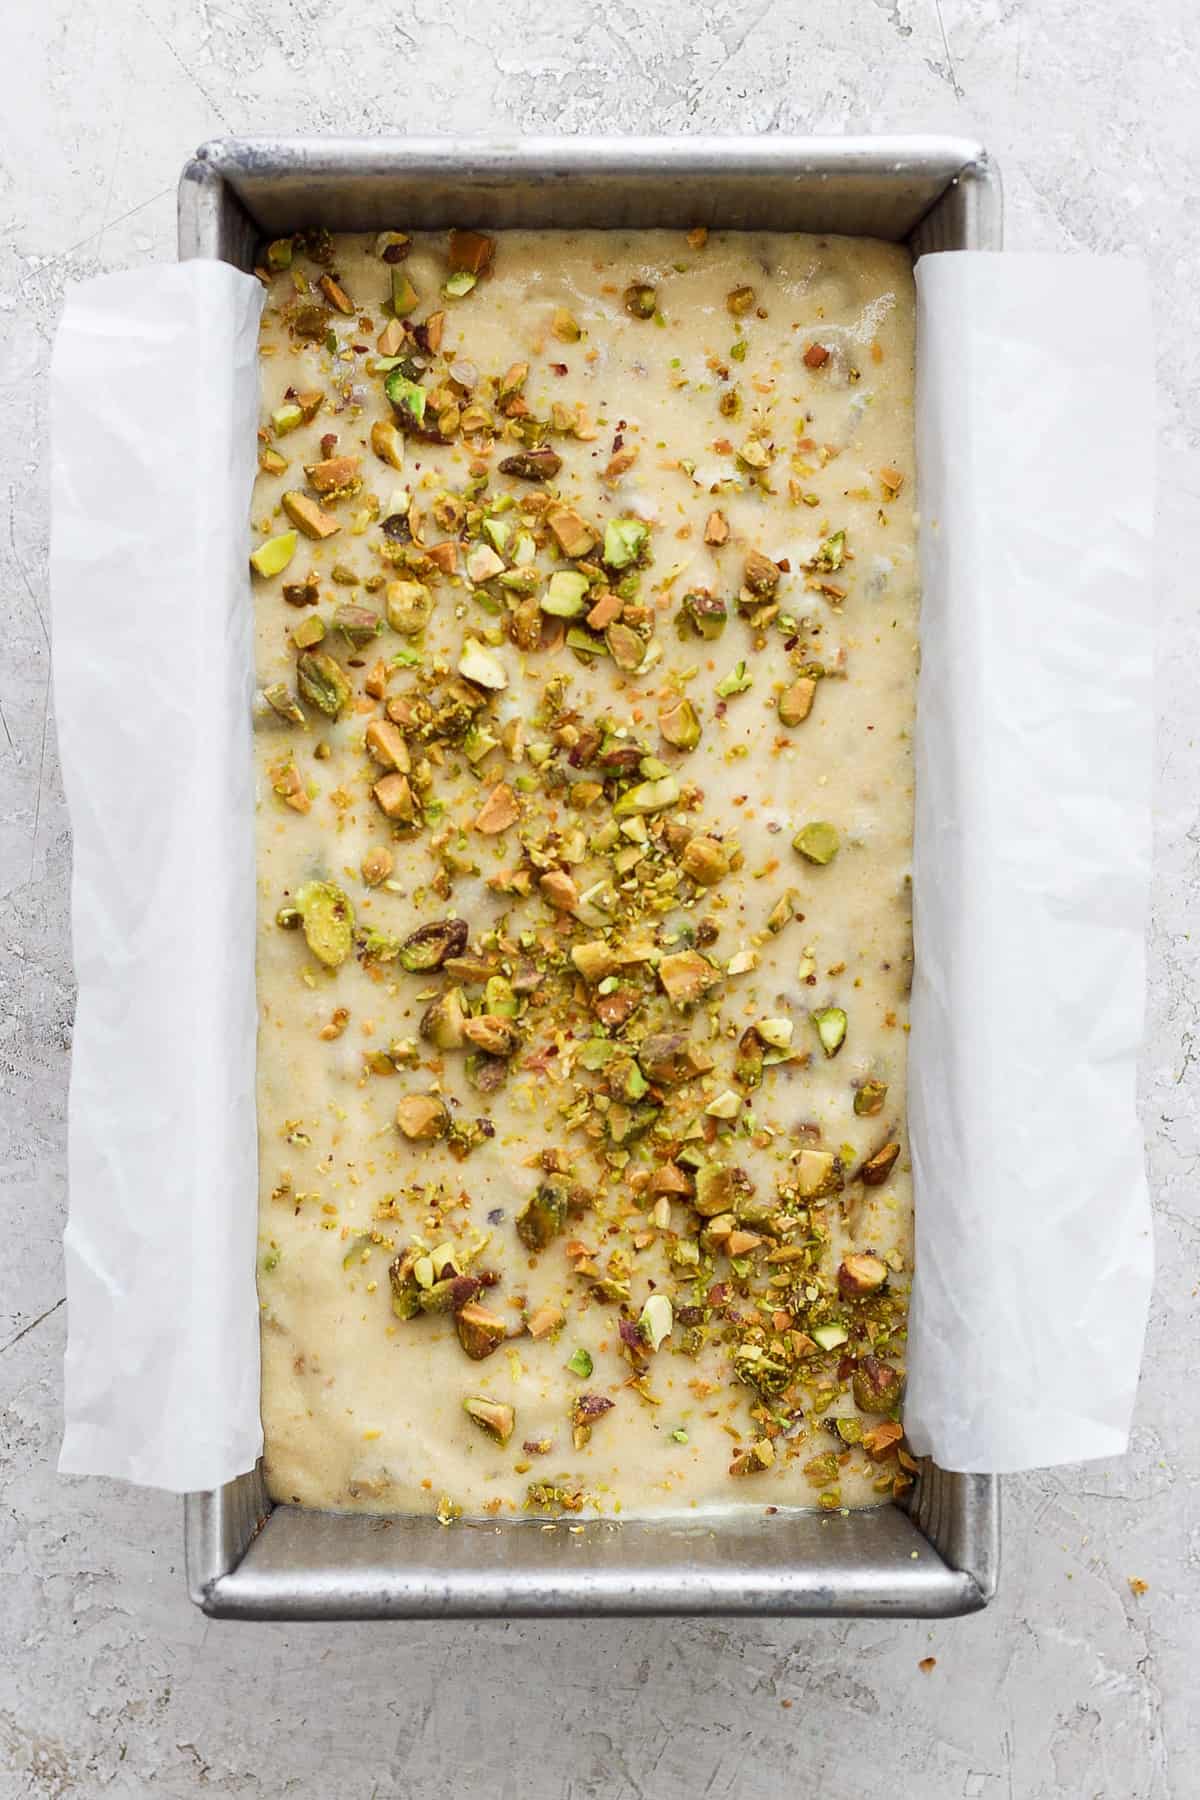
[(861, 1275), (404, 294), (580, 1363), (358, 624), (280, 698), (459, 285), (878, 1167), (736, 682), (500, 810), (831, 554), (817, 842), (532, 465), (388, 745), (471, 251), (647, 797), (482, 666), (869, 1099), (409, 606), (657, 1320), (575, 536), (483, 563), (739, 300), (286, 418), (493, 1416), (679, 724), (491, 1034), (706, 613), (407, 397), (334, 475), (705, 861), (760, 575), (323, 682), (625, 647), (309, 632), (829, 1337), (442, 1020), (422, 1117), (795, 702), (376, 865), (818, 1174), (564, 597), (310, 518), (430, 945), (640, 300), (274, 556), (387, 443), (544, 1214), (595, 961), (686, 977), (480, 1332), (875, 1385), (625, 542), (328, 920), (394, 796), (754, 1459), (830, 1024)]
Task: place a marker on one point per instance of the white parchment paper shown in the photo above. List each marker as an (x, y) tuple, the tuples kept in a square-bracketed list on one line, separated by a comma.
[(153, 419), (1031, 863), (1034, 734)]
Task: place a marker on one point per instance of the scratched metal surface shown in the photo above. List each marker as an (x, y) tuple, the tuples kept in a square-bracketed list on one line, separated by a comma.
[(110, 1682)]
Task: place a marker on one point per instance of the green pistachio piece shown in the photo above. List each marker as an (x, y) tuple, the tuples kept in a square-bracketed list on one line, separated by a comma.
[(565, 596), (532, 465), (443, 1019), (625, 647), (409, 606), (404, 294), (832, 552), (279, 254), (817, 841), (498, 998), (580, 1363), (459, 284), (869, 1098), (274, 556), (657, 1320), (585, 642), (640, 300), (280, 698), (323, 682), (498, 533), (358, 624), (286, 418), (829, 1337), (736, 682), (706, 614), (830, 1023), (647, 797), (492, 1416), (328, 920), (679, 723), (408, 398), (544, 1214), (481, 666), (625, 542), (429, 946)]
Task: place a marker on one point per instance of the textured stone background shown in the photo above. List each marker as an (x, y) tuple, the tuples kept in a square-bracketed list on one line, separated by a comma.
[(110, 1684)]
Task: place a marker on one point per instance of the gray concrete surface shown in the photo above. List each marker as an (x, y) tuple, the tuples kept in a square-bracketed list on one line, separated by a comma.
[(110, 1684)]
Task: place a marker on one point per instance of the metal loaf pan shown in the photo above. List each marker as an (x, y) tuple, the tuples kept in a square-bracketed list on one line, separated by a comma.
[(248, 1559)]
